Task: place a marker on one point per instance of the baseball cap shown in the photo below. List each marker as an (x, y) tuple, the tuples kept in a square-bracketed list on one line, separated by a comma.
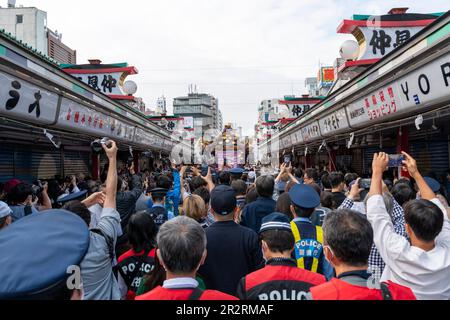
[(223, 199), (5, 210), (9, 185), (275, 221), (433, 184)]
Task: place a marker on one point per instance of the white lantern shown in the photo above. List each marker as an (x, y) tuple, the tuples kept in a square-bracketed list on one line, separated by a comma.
[(130, 87), (349, 50)]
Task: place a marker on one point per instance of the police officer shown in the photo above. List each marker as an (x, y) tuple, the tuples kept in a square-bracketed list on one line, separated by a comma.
[(280, 279), (236, 174), (158, 211), (348, 241), (41, 255), (308, 250)]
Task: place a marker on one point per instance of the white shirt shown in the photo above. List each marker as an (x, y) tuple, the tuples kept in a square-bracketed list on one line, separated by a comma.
[(426, 273), (180, 283)]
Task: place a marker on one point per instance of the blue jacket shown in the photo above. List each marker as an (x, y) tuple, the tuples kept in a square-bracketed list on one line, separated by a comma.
[(173, 196), (254, 212)]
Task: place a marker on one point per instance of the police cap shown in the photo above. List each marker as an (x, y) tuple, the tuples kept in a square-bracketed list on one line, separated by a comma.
[(37, 250), (304, 196)]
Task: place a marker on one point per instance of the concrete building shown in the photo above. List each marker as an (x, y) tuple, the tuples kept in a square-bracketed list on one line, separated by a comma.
[(29, 25), (204, 108), (311, 86)]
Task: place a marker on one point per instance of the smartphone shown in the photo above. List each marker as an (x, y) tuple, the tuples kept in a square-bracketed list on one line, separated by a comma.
[(287, 159), (204, 170), (365, 184), (395, 160)]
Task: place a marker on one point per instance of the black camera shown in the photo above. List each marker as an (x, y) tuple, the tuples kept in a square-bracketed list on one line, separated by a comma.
[(37, 188), (97, 145)]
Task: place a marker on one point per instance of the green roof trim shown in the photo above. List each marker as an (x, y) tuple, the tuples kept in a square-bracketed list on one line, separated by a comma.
[(2, 51), (77, 88), (445, 30), (27, 47), (364, 17)]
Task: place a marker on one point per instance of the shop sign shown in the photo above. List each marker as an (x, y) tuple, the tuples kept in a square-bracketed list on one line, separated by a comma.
[(311, 132), (334, 122), (25, 101), (80, 118), (412, 92), (380, 41)]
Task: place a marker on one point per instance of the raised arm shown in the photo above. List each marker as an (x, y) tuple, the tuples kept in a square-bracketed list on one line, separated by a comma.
[(209, 181), (411, 165), (111, 180)]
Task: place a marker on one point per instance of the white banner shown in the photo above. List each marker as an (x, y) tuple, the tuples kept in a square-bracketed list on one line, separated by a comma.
[(22, 100)]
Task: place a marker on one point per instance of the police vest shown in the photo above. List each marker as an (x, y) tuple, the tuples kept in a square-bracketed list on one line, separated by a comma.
[(133, 266), (278, 280), (159, 215), (337, 289), (308, 247)]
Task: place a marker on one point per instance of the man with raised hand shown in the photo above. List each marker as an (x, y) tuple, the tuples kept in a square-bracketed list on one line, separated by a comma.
[(423, 264)]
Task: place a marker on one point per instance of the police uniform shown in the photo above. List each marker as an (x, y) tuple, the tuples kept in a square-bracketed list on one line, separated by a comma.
[(40, 254), (132, 266), (158, 212), (81, 195), (353, 285), (280, 279), (308, 250), (236, 173)]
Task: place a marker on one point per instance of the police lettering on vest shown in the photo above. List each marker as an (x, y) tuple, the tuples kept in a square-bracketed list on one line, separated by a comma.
[(133, 266)]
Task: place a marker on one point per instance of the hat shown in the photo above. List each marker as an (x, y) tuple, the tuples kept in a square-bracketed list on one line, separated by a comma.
[(275, 221), (37, 250), (4, 210), (9, 185), (159, 192), (252, 175), (433, 184), (73, 196), (304, 196), (223, 199), (237, 171)]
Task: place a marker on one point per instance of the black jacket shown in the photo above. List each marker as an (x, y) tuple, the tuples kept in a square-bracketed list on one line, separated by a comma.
[(126, 200), (254, 212), (233, 252)]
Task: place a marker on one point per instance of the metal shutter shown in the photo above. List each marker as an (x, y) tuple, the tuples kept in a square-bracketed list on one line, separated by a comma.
[(32, 163), (6, 162), (76, 162), (432, 157), (357, 160)]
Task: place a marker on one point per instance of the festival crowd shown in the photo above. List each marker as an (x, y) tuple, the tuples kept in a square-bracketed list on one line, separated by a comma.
[(196, 233)]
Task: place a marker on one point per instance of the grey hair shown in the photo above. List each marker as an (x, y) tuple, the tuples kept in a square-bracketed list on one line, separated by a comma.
[(388, 200), (181, 242)]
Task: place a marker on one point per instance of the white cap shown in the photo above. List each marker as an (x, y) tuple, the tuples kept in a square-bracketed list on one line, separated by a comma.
[(4, 210)]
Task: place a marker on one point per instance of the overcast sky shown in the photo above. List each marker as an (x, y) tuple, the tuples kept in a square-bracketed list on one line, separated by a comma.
[(241, 51)]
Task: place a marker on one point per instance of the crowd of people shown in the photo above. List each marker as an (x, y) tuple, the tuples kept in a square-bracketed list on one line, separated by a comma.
[(186, 233)]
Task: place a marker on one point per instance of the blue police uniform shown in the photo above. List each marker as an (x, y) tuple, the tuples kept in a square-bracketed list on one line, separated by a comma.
[(37, 251), (308, 249)]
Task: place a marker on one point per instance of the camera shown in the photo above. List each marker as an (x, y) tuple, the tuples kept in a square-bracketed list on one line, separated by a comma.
[(204, 170), (36, 188), (97, 145)]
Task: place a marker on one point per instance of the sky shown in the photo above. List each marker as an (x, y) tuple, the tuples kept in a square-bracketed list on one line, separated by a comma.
[(240, 51)]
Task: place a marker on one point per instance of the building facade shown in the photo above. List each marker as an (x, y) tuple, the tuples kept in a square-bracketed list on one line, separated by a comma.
[(29, 25), (203, 108)]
